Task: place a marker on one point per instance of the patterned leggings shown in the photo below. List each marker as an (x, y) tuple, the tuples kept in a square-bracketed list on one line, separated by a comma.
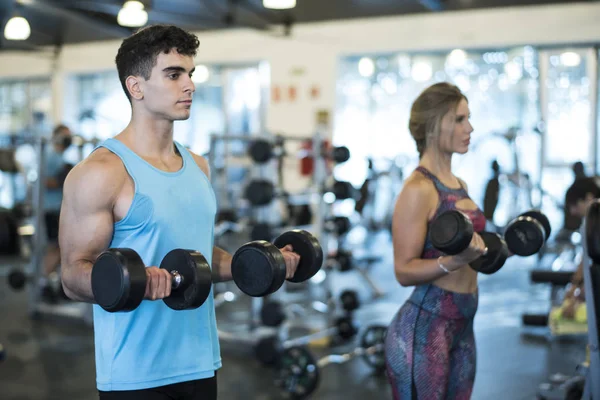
[(430, 346)]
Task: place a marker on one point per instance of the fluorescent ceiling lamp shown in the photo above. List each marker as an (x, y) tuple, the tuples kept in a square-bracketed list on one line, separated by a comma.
[(17, 28), (132, 14), (279, 4)]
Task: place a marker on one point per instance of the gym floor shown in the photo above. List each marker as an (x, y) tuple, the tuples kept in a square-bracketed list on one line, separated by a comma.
[(52, 358)]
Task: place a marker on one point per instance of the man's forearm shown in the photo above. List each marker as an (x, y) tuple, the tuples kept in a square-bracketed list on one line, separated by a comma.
[(77, 281), (221, 265)]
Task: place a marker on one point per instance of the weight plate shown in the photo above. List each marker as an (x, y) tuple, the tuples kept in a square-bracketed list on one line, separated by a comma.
[(197, 279), (524, 236), (374, 338), (309, 249), (496, 255), (297, 374), (451, 232), (119, 280), (258, 268)]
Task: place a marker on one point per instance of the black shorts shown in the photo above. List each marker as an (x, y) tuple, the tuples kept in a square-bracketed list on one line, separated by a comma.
[(52, 218), (202, 389)]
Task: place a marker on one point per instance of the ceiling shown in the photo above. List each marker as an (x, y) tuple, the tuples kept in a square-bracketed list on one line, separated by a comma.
[(56, 22)]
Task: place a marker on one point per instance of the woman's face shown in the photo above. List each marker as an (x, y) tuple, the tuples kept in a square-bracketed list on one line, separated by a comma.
[(455, 132)]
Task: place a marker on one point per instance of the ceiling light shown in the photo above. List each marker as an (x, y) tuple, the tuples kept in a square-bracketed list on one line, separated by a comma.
[(17, 28), (132, 14), (279, 4), (570, 59)]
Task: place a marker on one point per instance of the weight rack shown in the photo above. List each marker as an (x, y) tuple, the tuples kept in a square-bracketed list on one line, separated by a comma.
[(315, 194)]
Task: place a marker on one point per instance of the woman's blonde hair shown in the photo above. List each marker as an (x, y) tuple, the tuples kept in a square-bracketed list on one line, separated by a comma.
[(429, 109)]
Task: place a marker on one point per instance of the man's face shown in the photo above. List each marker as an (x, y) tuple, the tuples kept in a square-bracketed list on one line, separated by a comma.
[(168, 93)]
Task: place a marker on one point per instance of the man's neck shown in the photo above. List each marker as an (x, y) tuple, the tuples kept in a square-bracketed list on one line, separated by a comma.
[(148, 137)]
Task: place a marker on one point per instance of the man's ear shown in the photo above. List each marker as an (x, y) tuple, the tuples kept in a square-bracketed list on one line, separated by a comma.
[(134, 87)]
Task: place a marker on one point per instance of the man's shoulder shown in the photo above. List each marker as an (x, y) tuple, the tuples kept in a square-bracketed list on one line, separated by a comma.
[(101, 169)]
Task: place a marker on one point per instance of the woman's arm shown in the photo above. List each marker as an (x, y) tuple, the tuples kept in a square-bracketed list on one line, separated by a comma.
[(416, 202)]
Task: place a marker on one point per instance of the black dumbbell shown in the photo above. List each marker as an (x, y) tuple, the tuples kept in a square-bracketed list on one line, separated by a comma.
[(258, 267), (338, 224), (119, 279), (262, 151), (260, 192), (272, 313), (526, 234), (452, 231)]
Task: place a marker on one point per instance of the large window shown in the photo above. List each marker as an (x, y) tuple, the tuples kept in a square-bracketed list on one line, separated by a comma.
[(567, 103), (375, 94), (25, 109), (533, 111), (226, 98), (25, 106)]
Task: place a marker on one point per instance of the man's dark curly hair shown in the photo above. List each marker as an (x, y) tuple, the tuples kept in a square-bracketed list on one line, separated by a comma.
[(138, 53)]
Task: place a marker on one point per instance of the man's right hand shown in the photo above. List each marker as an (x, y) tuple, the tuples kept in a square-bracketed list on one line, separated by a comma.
[(158, 283)]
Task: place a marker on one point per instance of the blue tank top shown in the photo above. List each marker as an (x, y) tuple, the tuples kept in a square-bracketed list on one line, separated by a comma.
[(155, 345)]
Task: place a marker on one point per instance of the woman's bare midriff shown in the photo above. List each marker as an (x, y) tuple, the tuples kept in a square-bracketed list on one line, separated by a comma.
[(463, 280)]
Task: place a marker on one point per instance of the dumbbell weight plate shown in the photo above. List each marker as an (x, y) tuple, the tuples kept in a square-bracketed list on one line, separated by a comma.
[(346, 329), (309, 249), (267, 350), (260, 192), (349, 300), (258, 268), (260, 151), (261, 231), (17, 279), (297, 374), (496, 256), (374, 335), (343, 190), (272, 313), (524, 236), (119, 280), (197, 279), (451, 232), (542, 219), (340, 154)]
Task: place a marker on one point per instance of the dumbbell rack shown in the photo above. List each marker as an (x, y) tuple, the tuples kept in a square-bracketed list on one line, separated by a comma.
[(320, 182)]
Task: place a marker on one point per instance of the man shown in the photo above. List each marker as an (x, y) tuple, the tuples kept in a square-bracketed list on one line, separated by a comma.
[(141, 190), (577, 199), (56, 170)]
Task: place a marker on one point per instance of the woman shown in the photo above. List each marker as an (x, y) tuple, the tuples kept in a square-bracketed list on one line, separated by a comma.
[(430, 345)]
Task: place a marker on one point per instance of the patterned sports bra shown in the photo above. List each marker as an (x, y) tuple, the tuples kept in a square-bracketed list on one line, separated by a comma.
[(448, 198)]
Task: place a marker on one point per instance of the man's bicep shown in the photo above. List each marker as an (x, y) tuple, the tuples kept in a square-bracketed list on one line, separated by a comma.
[(86, 222)]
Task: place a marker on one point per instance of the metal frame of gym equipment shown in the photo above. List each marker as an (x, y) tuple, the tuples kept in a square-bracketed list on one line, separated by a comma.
[(557, 272), (253, 334), (587, 383), (33, 270)]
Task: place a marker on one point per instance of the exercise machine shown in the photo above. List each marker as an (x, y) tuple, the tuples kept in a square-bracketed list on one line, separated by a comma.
[(586, 385)]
